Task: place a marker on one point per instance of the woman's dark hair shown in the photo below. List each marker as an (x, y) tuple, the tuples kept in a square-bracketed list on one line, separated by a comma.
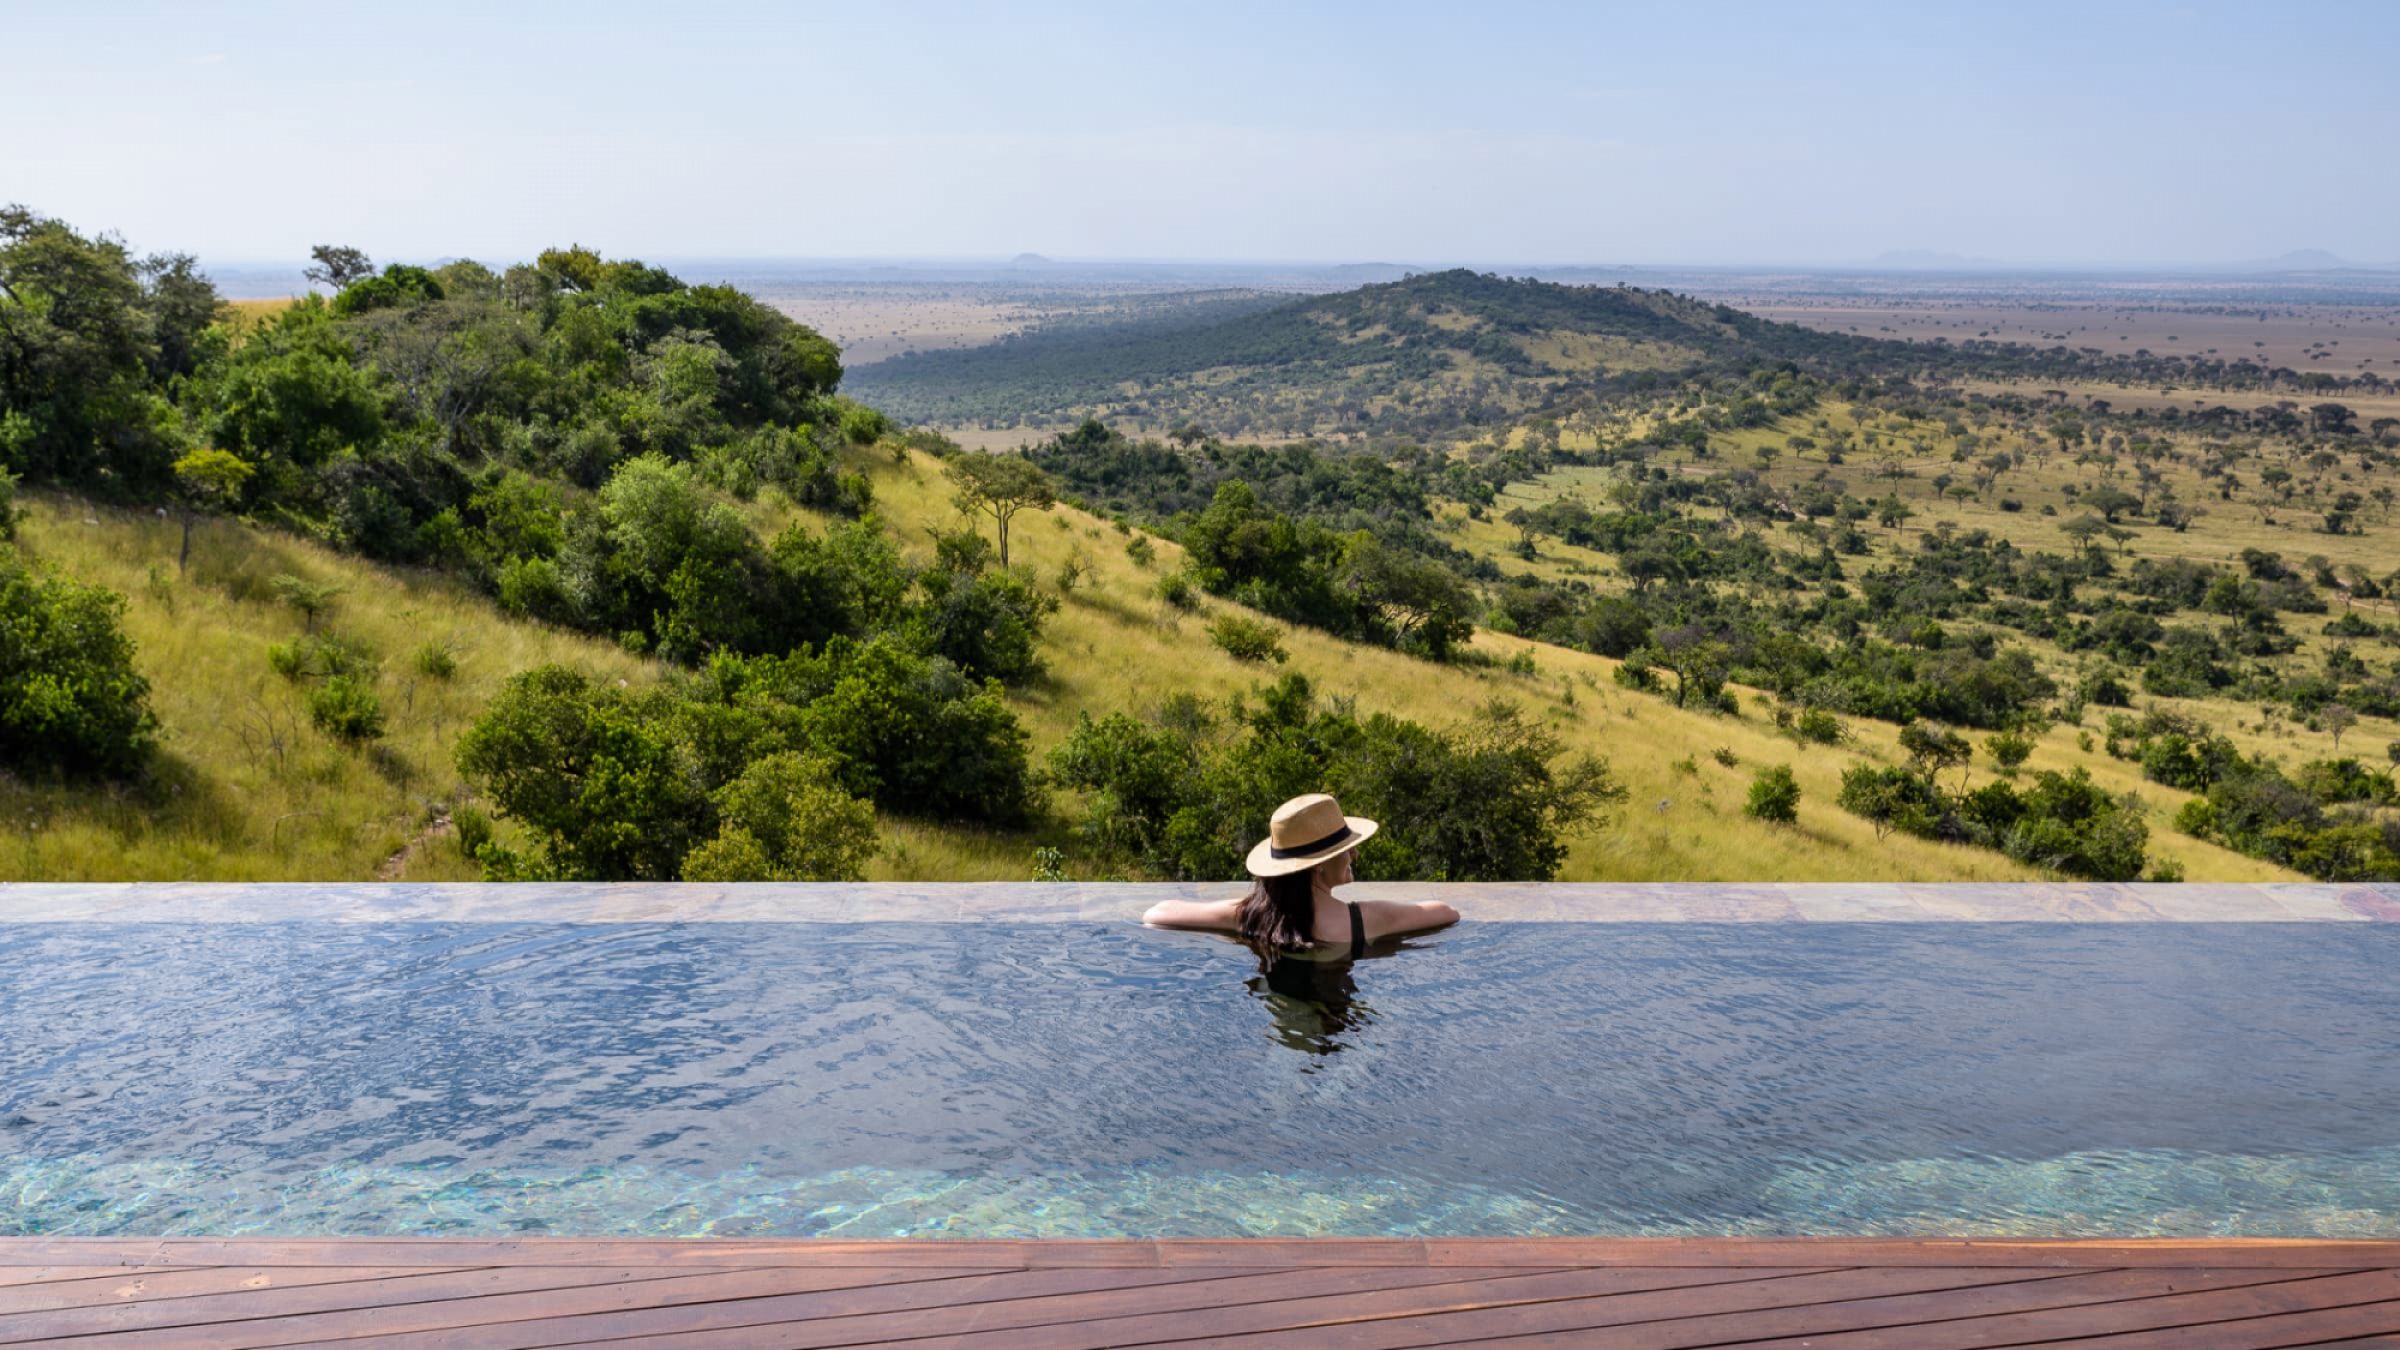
[(1278, 915)]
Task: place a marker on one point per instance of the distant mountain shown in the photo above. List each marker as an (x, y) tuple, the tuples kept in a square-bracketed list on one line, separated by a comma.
[(1426, 354), (1029, 260), (2305, 260)]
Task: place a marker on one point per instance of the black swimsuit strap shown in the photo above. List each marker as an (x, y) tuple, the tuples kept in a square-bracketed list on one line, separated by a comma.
[(1358, 931)]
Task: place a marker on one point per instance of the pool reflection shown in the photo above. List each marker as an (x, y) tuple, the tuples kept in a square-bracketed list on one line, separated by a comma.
[(1314, 1002)]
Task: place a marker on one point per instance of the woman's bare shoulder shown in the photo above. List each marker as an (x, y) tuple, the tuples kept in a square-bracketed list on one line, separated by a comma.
[(1387, 918), (1214, 915)]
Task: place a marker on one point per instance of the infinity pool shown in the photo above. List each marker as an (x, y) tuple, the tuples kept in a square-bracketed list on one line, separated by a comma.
[(1063, 1079)]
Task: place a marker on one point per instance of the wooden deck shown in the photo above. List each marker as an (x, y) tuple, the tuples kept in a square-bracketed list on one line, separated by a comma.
[(1827, 1294)]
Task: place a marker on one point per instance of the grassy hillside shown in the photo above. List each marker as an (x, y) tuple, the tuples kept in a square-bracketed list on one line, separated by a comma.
[(247, 789), (232, 804), (2045, 491), (1115, 645)]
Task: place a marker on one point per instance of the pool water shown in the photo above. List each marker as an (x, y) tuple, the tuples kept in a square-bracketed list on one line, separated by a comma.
[(1087, 1079)]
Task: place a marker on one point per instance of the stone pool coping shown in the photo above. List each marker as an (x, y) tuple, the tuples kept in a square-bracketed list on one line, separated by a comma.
[(1075, 902)]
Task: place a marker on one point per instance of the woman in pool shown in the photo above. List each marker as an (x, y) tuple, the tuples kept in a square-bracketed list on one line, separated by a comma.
[(1291, 910)]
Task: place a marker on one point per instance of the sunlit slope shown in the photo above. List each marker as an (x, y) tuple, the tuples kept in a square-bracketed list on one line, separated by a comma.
[(1912, 460), (1114, 645), (248, 789)]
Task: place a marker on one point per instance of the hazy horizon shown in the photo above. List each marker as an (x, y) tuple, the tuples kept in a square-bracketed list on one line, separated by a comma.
[(2043, 136), (1007, 257)]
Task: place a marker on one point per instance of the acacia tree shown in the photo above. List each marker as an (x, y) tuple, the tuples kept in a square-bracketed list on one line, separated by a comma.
[(2336, 718), (999, 486), (337, 266), (212, 480)]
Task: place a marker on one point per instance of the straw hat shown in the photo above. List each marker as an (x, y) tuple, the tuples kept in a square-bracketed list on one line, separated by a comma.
[(1307, 831)]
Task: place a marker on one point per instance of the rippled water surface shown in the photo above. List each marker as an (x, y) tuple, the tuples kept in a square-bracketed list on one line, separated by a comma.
[(1065, 1079)]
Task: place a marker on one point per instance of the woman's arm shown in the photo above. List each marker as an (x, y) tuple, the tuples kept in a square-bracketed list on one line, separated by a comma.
[(1216, 916), (1392, 918)]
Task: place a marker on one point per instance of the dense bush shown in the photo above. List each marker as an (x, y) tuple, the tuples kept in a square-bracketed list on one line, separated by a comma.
[(1187, 792), (1774, 795), (1247, 639), (2063, 822), (2321, 822), (345, 707), (595, 774), (616, 783), (71, 702), (986, 621), (786, 819)]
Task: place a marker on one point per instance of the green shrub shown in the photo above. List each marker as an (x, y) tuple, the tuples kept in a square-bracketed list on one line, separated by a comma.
[(786, 819), (1247, 639), (862, 425), (2072, 825), (912, 732), (1049, 865), (312, 599), (286, 659), (1816, 726), (1139, 548), (474, 830), (1892, 798), (71, 702), (535, 588), (1177, 589), (1774, 795), (2009, 750), (987, 623), (317, 656), (345, 708), (435, 660), (591, 773)]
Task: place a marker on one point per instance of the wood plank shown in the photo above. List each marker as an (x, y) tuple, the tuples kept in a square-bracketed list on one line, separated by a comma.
[(657, 1287), (1905, 1319), (416, 1286), (2362, 1323), (1043, 1317), (1295, 1252), (841, 1316), (1329, 1315), (1585, 1315), (123, 1286), (16, 1275), (2178, 1312)]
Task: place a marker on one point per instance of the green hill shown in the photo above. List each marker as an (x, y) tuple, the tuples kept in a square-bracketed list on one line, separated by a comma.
[(1422, 355), (1448, 356)]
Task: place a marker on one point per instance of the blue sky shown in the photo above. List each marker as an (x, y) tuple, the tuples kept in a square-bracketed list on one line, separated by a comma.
[(1687, 133)]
